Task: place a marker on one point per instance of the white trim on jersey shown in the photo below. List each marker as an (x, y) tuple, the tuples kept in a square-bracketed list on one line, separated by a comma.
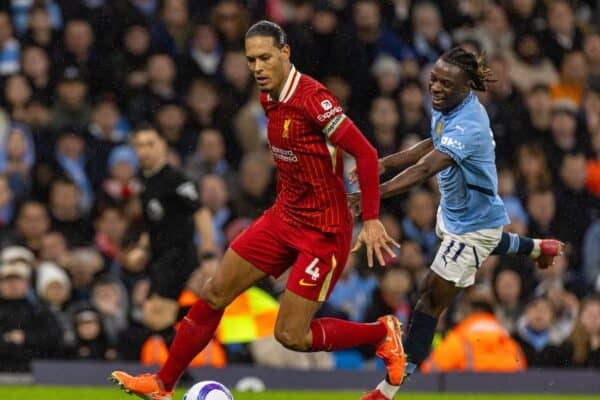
[(290, 86)]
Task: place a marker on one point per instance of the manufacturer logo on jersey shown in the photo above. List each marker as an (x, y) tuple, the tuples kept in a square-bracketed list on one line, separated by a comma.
[(155, 210), (286, 128), (439, 127), (326, 104), (304, 283), (187, 190)]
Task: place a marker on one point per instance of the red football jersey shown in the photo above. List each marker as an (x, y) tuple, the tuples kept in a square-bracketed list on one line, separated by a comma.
[(302, 127)]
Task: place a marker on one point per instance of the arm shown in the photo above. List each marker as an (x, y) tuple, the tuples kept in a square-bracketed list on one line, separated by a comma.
[(204, 227), (407, 157), (431, 164), (351, 140)]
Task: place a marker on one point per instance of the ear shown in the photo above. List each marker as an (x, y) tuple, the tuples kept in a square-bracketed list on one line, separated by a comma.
[(286, 51)]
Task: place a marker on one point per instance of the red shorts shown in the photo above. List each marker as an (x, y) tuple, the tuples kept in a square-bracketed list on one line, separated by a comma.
[(317, 258)]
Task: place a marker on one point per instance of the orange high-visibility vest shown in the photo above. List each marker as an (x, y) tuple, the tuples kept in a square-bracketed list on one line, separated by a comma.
[(478, 344), (155, 352)]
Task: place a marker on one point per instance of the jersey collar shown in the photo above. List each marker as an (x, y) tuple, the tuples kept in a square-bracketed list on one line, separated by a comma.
[(291, 83)]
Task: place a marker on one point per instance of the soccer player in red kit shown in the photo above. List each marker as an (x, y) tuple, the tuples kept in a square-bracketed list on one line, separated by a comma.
[(309, 227)]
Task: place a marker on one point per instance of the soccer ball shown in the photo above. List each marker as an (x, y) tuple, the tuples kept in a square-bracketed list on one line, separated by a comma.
[(208, 390)]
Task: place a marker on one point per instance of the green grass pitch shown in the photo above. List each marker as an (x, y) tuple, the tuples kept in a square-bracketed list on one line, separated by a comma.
[(85, 393)]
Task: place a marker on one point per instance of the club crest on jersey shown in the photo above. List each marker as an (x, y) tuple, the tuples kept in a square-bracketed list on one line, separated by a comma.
[(439, 127), (286, 128)]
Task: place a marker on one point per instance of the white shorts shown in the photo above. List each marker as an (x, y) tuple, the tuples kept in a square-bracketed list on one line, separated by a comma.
[(460, 255)]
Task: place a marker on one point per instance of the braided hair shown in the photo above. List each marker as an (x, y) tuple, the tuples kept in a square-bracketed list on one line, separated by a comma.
[(474, 66)]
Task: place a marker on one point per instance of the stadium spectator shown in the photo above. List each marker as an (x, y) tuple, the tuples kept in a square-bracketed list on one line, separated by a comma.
[(129, 64), (204, 55), (391, 296), (110, 226), (586, 336), (353, 290), (17, 156), (32, 222), (215, 196), (71, 106), (17, 94), (109, 298), (7, 203), (209, 158), (534, 336), (508, 291), (429, 40), (158, 89), (562, 34), (91, 340), (53, 288), (419, 223), (40, 30), (27, 329), (67, 213), (37, 68), (479, 343), (591, 49), (413, 117), (170, 34), (384, 119), (573, 78), (10, 49), (255, 193), (528, 65), (122, 184)]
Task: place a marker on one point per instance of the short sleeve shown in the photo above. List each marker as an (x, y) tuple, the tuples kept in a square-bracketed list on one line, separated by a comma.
[(458, 142), (187, 194), (324, 110)]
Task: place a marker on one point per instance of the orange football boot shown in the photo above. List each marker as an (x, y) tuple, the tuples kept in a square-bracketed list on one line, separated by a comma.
[(374, 395), (145, 386), (391, 351)]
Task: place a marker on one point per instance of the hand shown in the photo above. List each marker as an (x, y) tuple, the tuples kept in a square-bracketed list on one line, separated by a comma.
[(353, 175), (16, 336), (354, 203), (375, 238)]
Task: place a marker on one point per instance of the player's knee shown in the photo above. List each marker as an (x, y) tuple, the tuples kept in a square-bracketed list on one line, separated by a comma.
[(428, 304), (291, 339), (214, 296)]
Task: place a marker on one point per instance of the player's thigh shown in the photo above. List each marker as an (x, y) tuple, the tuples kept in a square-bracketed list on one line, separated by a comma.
[(321, 260), (231, 278), (460, 256), (263, 245)]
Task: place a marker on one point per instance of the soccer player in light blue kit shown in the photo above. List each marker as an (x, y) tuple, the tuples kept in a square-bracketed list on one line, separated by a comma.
[(471, 214)]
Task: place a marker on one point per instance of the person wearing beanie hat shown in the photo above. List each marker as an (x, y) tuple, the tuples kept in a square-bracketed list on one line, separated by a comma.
[(53, 287), (123, 166)]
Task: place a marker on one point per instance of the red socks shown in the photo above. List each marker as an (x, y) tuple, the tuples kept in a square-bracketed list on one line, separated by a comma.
[(329, 334), (193, 334)]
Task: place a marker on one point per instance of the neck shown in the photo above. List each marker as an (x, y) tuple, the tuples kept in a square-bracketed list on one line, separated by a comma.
[(277, 91), (152, 171)]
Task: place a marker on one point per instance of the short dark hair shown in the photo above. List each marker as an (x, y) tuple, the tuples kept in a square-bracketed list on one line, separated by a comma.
[(474, 66), (270, 29), (145, 126)]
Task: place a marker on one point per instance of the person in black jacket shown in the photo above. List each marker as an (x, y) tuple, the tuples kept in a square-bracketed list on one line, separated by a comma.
[(27, 329), (541, 347)]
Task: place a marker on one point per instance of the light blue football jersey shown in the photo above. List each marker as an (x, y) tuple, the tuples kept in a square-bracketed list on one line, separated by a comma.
[(469, 188)]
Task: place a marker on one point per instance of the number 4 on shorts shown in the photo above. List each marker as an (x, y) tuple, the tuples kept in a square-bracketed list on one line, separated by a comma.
[(312, 270)]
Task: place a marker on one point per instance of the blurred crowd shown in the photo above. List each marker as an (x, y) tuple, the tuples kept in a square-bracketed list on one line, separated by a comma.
[(78, 75)]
